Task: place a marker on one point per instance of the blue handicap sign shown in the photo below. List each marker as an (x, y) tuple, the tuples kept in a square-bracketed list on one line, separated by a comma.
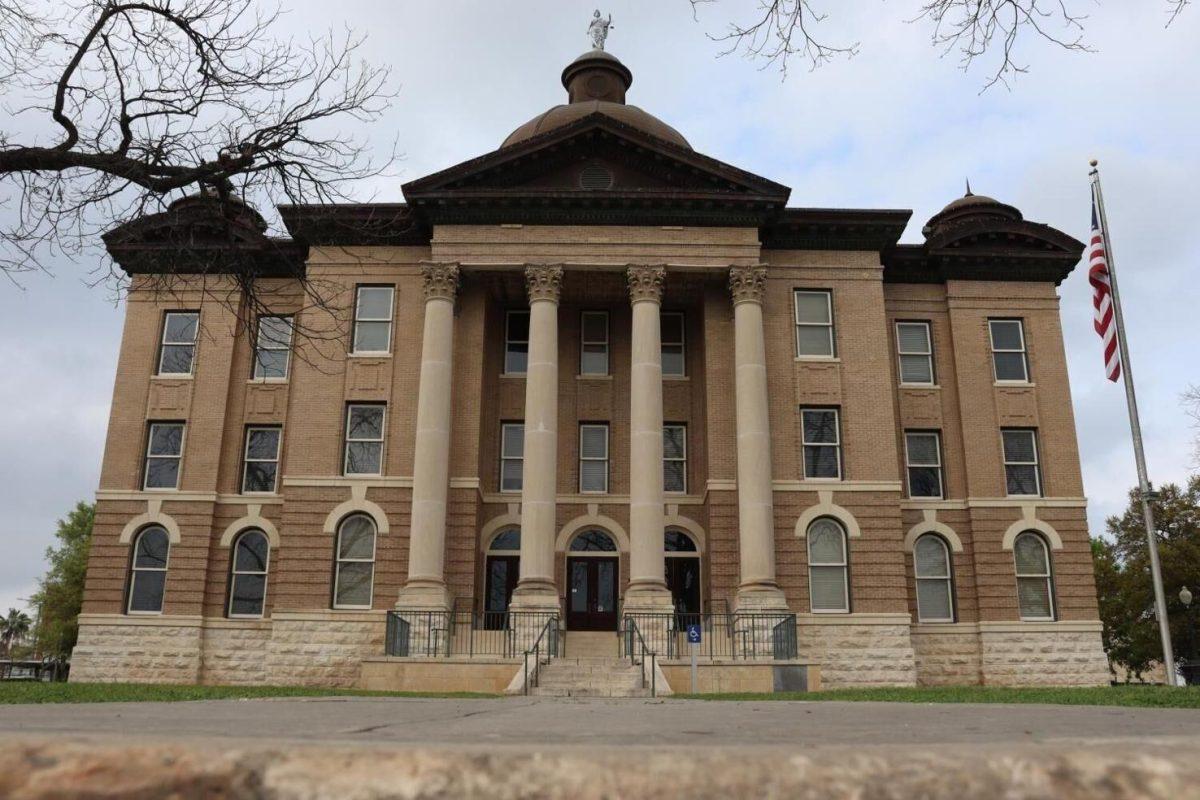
[(693, 634)]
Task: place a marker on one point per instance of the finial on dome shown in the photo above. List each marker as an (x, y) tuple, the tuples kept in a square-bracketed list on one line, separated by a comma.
[(598, 30), (969, 192)]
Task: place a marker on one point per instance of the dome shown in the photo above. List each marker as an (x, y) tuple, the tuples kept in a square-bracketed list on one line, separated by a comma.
[(970, 206), (596, 82)]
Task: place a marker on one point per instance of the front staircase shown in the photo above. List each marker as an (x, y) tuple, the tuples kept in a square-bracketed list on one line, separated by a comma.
[(590, 667)]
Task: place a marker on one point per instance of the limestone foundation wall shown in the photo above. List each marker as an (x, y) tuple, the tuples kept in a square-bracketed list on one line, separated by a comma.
[(113, 648), (946, 655), (1042, 654), (235, 652), (858, 650), (323, 648)]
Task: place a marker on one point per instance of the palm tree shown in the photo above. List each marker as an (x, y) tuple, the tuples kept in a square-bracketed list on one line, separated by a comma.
[(14, 627)]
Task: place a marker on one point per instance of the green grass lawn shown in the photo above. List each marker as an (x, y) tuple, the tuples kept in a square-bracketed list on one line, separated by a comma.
[(32, 692), (1142, 696)]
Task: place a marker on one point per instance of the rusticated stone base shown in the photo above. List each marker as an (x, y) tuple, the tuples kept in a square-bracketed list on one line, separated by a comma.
[(947, 655), (855, 650), (114, 648), (1042, 654), (322, 648), (235, 652)]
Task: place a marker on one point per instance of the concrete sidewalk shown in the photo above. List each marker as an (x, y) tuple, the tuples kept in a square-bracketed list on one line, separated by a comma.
[(540, 723)]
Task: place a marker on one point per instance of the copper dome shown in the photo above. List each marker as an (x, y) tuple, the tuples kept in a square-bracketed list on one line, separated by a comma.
[(596, 83)]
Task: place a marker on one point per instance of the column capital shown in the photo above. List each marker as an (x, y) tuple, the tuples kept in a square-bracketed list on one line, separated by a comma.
[(646, 282), (747, 284), (441, 280), (543, 282)]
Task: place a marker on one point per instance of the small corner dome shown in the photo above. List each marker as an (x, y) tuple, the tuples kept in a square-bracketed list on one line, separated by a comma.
[(207, 204), (596, 82), (970, 207)]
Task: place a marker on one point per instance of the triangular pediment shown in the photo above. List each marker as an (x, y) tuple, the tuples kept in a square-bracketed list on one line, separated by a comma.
[(598, 170)]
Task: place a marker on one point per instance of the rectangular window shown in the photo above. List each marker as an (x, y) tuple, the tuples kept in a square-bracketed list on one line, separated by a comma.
[(593, 458), (373, 319), (915, 347), (1021, 472), (272, 347), (516, 342), (364, 439), (814, 323), (923, 457), (512, 456), (178, 349), (674, 458), (674, 363), (164, 453), (1009, 360), (822, 443), (593, 343), (260, 471)]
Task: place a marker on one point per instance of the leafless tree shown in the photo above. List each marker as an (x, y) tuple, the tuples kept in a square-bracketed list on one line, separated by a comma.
[(1191, 407), (117, 108), (779, 30)]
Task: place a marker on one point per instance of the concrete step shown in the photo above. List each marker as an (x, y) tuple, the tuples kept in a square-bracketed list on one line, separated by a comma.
[(590, 677), (543, 691), (591, 644)]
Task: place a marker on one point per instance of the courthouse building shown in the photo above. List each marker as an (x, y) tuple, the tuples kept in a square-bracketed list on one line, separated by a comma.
[(590, 381)]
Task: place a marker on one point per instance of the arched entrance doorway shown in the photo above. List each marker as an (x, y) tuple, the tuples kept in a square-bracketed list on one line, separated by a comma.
[(502, 569), (682, 560), (593, 579)]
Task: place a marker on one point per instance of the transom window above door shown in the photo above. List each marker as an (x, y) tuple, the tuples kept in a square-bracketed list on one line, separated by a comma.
[(593, 542)]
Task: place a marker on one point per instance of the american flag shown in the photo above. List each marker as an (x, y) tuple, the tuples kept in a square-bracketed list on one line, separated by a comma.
[(1102, 299)]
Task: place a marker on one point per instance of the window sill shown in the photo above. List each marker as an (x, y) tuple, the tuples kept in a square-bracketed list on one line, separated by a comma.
[(912, 499), (817, 359), (369, 355), (807, 479), (166, 376), (1023, 497), (160, 489), (266, 381), (593, 377), (920, 386), (1014, 384), (256, 494), (513, 374), (683, 378), (143, 613)]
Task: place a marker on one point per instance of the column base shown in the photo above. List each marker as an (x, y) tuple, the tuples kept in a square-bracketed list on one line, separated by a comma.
[(540, 596), (760, 598), (424, 596), (648, 598)]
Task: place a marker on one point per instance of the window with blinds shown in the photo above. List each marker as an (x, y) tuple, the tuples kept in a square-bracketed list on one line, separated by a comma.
[(1035, 587), (931, 566), (828, 583), (915, 348), (593, 458)]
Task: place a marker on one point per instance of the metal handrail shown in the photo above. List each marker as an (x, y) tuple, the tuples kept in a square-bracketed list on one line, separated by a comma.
[(437, 633), (746, 636), (631, 631), (551, 647)]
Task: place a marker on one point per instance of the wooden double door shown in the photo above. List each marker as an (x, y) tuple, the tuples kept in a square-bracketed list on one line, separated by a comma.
[(592, 593)]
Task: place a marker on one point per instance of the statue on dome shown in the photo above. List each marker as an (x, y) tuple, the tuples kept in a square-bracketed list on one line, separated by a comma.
[(598, 30)]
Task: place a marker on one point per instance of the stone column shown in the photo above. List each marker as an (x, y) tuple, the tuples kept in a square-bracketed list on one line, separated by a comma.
[(536, 590), (758, 589), (426, 585), (647, 590)]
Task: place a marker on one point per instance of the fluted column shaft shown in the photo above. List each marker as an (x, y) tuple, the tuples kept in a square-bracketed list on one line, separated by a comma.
[(756, 526), (539, 487), (647, 584), (426, 586)]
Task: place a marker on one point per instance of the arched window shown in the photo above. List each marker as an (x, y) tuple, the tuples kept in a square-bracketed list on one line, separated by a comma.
[(931, 565), (509, 540), (354, 576), (248, 574), (148, 573), (593, 542), (827, 567), (678, 542), (1035, 585)]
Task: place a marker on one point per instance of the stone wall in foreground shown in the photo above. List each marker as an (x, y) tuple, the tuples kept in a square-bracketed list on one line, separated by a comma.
[(858, 650)]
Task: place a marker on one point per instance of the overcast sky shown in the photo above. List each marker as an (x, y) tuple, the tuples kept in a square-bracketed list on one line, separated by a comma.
[(896, 127)]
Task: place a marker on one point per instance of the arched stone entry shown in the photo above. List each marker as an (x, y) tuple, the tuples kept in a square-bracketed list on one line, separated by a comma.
[(682, 560), (593, 581), (501, 570)]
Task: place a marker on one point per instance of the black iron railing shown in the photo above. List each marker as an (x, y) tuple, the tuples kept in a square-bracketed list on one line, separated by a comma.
[(462, 633), (723, 636), (640, 655), (545, 648)]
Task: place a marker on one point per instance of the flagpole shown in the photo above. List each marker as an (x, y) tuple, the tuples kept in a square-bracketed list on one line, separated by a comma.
[(1145, 492)]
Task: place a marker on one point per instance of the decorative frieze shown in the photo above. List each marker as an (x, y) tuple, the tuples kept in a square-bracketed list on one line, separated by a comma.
[(543, 282), (747, 284), (441, 280), (646, 283)]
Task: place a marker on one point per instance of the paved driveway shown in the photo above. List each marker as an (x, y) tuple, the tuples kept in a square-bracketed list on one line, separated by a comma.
[(576, 723)]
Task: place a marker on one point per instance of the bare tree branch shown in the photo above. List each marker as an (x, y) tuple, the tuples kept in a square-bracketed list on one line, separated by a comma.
[(780, 30)]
